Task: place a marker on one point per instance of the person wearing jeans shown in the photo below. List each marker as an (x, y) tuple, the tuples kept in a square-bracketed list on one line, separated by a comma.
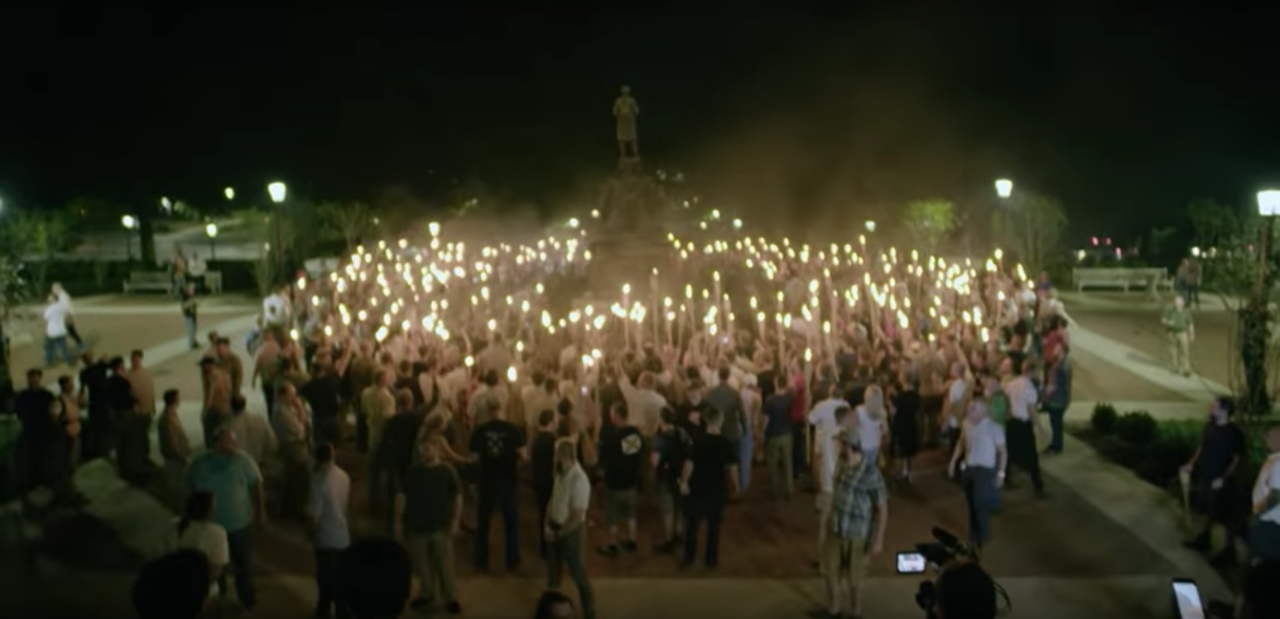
[(56, 316), (1057, 397), (566, 520), (982, 449), (329, 505), (236, 484), (779, 440)]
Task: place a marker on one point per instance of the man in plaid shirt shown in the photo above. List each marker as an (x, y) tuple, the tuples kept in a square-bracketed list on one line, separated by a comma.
[(852, 526)]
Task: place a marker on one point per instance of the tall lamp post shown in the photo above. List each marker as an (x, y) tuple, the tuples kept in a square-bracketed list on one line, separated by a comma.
[(1004, 188), (278, 192), (211, 231), (1269, 207), (129, 224)]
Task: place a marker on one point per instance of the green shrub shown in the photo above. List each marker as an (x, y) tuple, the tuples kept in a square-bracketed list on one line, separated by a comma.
[(1160, 462), (1137, 428), (1119, 451), (1104, 418)]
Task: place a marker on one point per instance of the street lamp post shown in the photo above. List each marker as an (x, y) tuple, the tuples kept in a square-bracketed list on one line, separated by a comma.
[(1269, 207), (211, 231), (129, 224), (1004, 188), (278, 191)]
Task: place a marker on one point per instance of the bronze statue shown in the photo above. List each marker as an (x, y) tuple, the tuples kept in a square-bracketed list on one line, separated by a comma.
[(625, 111)]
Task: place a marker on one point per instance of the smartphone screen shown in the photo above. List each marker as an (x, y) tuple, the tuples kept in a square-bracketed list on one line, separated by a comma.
[(1187, 596), (911, 563)]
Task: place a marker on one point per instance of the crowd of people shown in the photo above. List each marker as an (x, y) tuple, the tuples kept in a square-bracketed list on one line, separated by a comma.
[(470, 372)]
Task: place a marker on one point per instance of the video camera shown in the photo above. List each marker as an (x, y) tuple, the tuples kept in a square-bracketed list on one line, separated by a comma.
[(940, 553)]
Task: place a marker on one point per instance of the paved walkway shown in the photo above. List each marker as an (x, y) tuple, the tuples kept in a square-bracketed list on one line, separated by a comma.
[(1103, 546)]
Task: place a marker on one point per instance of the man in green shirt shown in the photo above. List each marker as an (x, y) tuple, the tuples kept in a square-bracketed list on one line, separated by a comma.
[(1181, 332)]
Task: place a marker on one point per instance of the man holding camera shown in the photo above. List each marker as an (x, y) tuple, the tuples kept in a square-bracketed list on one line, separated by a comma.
[(852, 527)]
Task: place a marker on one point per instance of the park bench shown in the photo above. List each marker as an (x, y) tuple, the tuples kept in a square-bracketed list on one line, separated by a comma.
[(148, 281), (1152, 279), (213, 282)]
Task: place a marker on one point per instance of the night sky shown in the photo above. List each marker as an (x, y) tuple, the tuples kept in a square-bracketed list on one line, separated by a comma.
[(788, 111)]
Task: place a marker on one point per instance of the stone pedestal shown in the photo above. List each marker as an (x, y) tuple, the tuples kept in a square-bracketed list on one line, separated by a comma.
[(633, 240), (618, 260)]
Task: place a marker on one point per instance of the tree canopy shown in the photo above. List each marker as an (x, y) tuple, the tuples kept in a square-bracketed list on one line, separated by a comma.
[(1031, 227), (930, 221), (1228, 238)]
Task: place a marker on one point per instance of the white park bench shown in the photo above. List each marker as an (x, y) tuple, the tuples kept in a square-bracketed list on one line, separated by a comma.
[(148, 281), (161, 281), (1151, 279)]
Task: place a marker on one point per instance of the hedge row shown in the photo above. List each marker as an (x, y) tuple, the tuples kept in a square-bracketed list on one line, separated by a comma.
[(1156, 450)]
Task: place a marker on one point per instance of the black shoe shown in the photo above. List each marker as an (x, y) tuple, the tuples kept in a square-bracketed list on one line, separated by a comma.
[(608, 550), (628, 546), (665, 548), (453, 608), (1201, 544), (420, 603)]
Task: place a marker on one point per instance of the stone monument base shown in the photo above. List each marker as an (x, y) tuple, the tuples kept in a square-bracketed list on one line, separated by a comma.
[(620, 260)]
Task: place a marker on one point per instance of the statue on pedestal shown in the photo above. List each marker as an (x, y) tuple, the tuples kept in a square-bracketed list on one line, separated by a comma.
[(625, 111), (631, 243)]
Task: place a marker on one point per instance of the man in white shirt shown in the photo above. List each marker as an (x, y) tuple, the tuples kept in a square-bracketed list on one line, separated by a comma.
[(1023, 425), (643, 401), (826, 448), (566, 528), (60, 294), (982, 445), (826, 421), (196, 269), (55, 332), (275, 308), (329, 507), (1264, 538)]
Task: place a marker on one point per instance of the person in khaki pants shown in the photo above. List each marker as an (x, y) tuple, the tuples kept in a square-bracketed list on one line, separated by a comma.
[(1181, 331), (429, 515)]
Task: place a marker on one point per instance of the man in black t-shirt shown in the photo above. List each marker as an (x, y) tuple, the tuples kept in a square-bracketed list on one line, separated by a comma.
[(542, 461), (671, 447), (710, 468), (34, 406), (621, 457), (693, 410), (99, 429), (1213, 468), (498, 446)]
